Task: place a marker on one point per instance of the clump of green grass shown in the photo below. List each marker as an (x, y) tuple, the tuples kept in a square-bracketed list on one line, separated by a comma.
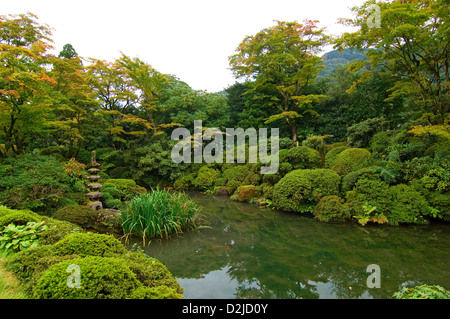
[(160, 213)]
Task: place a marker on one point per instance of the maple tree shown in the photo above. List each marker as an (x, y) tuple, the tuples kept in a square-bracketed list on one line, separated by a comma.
[(74, 100), (127, 90), (411, 45), (24, 80), (283, 63)]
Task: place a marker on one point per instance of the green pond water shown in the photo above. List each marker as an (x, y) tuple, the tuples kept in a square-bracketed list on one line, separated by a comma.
[(251, 252)]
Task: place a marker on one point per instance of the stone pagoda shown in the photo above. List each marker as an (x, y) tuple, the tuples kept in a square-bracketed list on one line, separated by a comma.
[(94, 186)]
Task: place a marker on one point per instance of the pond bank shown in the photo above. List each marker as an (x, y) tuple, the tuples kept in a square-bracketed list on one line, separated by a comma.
[(249, 252)]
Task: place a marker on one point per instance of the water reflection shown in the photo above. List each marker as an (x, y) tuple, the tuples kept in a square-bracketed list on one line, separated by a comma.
[(250, 252)]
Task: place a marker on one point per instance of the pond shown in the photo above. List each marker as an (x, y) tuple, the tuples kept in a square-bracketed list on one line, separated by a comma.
[(252, 252)]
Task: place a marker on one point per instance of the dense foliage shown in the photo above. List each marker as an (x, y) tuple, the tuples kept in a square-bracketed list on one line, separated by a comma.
[(364, 137)]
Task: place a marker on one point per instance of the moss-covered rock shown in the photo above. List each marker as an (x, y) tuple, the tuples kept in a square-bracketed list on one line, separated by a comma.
[(245, 193), (221, 191), (300, 190)]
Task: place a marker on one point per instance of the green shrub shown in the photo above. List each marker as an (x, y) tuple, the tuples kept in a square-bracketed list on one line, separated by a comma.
[(300, 190), (127, 188), (439, 201), (303, 157), (159, 213), (271, 178), (82, 216), (286, 143), (407, 205), (371, 193), (351, 159), (159, 292), (101, 278), (331, 209), (241, 175), (392, 204), (25, 264), (206, 177), (112, 196), (17, 217), (423, 292), (380, 142), (57, 230), (150, 271), (316, 142), (360, 134), (266, 190), (185, 182), (33, 182), (88, 244), (349, 181), (331, 155), (30, 264)]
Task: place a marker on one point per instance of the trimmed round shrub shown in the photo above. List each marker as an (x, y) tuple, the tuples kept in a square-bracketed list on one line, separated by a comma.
[(28, 265), (351, 159), (82, 216), (206, 177), (407, 205), (17, 217), (349, 181), (300, 190), (100, 278), (331, 209), (88, 244), (373, 193), (241, 175), (150, 271), (303, 157), (112, 196), (57, 230), (160, 292), (331, 155)]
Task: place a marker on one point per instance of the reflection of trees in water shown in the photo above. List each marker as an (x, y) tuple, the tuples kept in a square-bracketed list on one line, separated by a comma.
[(276, 255)]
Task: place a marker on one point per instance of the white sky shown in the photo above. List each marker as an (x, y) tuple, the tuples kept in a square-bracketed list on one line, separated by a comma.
[(191, 39)]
